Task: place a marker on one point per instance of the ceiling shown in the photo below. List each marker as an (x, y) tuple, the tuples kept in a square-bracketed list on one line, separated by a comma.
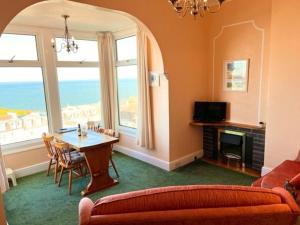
[(82, 17)]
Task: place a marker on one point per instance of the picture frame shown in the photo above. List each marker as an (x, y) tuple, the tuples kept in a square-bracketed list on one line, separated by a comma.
[(236, 75)]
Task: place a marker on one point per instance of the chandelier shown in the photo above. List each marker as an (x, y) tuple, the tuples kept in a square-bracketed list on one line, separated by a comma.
[(196, 7), (68, 43)]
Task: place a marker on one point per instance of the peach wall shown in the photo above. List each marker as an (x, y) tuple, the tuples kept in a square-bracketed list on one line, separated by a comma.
[(184, 59), (241, 30), (25, 159), (283, 131), (160, 111), (242, 41)]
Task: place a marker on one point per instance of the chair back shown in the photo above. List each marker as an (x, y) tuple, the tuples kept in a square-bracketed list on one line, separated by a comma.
[(109, 132), (93, 125), (63, 152), (48, 140)]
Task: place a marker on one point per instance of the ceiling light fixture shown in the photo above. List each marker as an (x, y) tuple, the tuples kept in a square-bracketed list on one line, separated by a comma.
[(196, 7), (69, 42)]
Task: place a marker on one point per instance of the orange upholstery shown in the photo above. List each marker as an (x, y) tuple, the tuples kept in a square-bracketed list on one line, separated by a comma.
[(193, 205), (279, 175)]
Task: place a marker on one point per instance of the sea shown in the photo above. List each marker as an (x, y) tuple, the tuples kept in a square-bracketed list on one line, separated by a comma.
[(31, 95)]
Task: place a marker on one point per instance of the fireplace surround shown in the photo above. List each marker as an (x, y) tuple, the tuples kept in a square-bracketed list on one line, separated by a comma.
[(253, 141)]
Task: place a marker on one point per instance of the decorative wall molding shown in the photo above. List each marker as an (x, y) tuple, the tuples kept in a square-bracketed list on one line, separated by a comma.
[(165, 165), (26, 171), (265, 170), (262, 55)]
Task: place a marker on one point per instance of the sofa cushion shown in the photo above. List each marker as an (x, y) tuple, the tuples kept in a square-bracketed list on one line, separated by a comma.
[(186, 197)]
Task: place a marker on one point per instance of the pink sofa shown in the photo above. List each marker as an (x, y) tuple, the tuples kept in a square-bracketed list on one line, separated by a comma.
[(191, 205), (289, 170)]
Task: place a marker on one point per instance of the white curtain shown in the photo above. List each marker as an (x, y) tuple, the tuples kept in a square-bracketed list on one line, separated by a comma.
[(107, 70), (3, 179), (144, 121)]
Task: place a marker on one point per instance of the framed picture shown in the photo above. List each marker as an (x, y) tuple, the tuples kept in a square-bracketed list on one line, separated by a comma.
[(236, 75)]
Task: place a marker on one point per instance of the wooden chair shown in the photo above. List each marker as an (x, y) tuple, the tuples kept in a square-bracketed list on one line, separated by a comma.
[(93, 125), (112, 133), (69, 161), (51, 153)]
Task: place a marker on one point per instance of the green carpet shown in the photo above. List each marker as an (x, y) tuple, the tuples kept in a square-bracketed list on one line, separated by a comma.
[(38, 201)]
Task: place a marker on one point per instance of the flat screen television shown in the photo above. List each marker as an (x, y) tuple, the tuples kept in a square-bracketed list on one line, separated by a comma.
[(210, 111)]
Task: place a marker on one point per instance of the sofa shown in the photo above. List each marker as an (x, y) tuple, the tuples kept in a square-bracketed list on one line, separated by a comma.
[(192, 205), (289, 171)]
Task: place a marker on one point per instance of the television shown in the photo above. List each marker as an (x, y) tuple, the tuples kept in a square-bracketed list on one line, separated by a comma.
[(210, 112)]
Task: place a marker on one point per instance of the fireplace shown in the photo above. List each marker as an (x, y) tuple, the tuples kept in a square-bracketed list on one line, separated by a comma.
[(232, 146), (253, 144)]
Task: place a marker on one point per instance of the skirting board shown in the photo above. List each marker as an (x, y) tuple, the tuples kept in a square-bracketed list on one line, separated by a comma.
[(26, 171), (165, 165), (265, 170)]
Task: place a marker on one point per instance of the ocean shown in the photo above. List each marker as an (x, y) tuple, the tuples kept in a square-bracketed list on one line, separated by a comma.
[(30, 95)]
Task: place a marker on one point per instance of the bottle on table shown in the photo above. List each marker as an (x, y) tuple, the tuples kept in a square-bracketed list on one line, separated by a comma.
[(79, 130)]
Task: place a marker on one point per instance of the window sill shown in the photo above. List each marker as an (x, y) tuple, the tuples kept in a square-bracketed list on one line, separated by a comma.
[(128, 131), (21, 147)]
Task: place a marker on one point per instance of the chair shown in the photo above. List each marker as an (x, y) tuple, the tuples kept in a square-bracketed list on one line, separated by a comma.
[(53, 158), (112, 133), (70, 161), (93, 125), (10, 174)]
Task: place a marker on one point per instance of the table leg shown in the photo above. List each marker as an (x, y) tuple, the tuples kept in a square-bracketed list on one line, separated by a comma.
[(98, 164)]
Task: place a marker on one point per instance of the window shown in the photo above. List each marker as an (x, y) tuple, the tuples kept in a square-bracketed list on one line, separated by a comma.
[(23, 114), (18, 47), (87, 52), (127, 81), (79, 90), (79, 84), (126, 49)]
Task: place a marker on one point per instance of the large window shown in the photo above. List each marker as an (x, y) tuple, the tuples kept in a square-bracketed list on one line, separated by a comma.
[(79, 90), (23, 114), (79, 84), (87, 52), (18, 47), (127, 81)]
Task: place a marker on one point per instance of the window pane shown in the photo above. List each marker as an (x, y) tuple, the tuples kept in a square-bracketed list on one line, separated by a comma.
[(21, 47), (127, 95), (79, 95), (127, 48), (22, 105), (88, 51)]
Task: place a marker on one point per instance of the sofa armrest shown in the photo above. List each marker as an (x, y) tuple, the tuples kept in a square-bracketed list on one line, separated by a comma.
[(85, 210), (288, 199)]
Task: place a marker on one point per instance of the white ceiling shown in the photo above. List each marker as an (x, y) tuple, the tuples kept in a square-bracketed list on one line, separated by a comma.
[(82, 17)]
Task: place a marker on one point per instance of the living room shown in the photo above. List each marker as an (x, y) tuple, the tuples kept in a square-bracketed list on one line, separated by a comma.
[(187, 55)]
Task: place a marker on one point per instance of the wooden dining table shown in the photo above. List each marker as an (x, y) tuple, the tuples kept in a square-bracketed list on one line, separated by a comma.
[(97, 149)]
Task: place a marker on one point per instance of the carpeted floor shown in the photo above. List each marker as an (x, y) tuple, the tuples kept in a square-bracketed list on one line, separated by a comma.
[(38, 201)]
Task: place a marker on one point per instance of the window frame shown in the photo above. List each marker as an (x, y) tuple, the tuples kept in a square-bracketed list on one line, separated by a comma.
[(130, 131), (74, 64), (47, 61), (39, 63)]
